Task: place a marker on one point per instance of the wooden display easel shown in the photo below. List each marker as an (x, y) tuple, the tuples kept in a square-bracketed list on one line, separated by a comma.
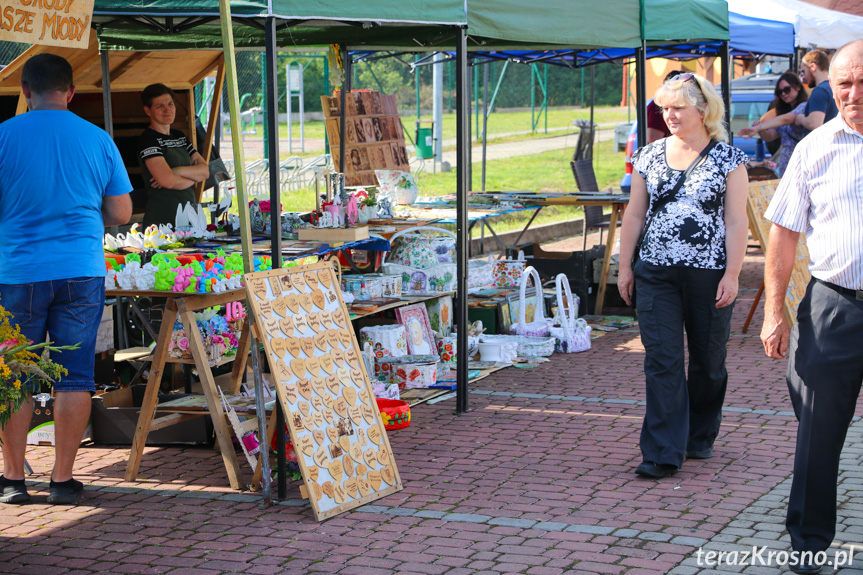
[(182, 305)]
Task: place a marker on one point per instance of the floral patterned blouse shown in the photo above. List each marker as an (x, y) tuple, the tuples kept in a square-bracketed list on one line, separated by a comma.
[(690, 230)]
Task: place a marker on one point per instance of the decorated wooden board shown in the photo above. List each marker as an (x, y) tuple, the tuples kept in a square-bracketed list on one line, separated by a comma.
[(760, 194), (321, 382)]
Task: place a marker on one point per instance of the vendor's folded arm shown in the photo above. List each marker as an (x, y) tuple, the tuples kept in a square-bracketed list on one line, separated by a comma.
[(165, 177), (197, 172)]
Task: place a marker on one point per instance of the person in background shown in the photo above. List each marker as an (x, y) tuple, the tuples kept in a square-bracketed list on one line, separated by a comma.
[(62, 181), (170, 165), (686, 272), (790, 97), (822, 196), (656, 126)]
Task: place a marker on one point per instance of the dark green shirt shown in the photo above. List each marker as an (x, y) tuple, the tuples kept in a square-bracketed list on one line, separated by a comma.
[(177, 150)]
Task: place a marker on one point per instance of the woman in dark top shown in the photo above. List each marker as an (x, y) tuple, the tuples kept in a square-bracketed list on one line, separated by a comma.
[(170, 165), (686, 272)]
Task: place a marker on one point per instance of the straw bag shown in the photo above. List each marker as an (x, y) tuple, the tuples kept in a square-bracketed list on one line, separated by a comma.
[(539, 326), (565, 334)]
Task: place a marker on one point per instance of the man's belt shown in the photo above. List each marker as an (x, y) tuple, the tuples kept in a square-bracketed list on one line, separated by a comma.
[(855, 293)]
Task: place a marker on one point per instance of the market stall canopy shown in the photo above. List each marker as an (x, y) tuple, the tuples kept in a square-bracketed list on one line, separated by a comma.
[(814, 26)]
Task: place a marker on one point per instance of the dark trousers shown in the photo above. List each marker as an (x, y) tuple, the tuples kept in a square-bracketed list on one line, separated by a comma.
[(683, 413), (825, 370)]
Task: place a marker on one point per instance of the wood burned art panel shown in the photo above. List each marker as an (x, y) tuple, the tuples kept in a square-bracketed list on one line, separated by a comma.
[(339, 439)]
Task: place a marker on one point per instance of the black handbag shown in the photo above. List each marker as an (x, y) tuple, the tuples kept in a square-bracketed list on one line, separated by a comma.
[(664, 201)]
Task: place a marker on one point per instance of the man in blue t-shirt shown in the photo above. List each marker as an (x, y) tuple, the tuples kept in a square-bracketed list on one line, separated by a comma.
[(61, 182)]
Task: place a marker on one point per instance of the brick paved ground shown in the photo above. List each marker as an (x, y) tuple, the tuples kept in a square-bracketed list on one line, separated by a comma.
[(537, 479)]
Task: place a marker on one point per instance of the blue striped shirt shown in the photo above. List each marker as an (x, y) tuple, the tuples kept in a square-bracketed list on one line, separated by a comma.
[(821, 195)]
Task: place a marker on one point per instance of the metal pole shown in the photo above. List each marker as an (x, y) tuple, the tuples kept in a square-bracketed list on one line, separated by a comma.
[(462, 186), (592, 105), (437, 109), (484, 120), (346, 89), (106, 94), (726, 62), (641, 93)]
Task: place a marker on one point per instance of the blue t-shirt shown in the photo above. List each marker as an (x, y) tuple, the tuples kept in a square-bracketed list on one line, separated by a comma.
[(54, 169), (821, 100)]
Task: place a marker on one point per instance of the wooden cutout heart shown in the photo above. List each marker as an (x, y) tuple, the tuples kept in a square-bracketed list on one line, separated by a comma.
[(285, 280), (351, 357), (279, 346), (292, 301), (266, 308), (299, 282), (319, 438), (280, 307), (356, 451), (305, 388), (345, 442), (318, 419), (298, 366), (368, 413), (329, 415), (321, 342), (369, 458), (328, 399), (292, 344), (388, 475), (275, 287), (313, 472), (351, 486), (320, 457), (361, 436), (282, 370), (375, 434), (335, 451), (339, 494), (317, 403), (364, 396), (363, 485), (344, 375), (333, 434), (326, 362), (290, 390), (318, 299), (325, 277), (314, 321), (317, 490), (338, 356), (308, 346), (300, 324), (328, 489), (345, 339), (383, 455), (375, 479), (326, 319), (309, 423), (313, 365), (355, 414), (336, 470), (332, 337), (311, 279), (357, 377), (272, 327), (306, 302), (305, 444), (339, 317), (331, 296), (305, 408), (259, 288), (350, 395), (341, 406), (361, 467), (333, 384), (287, 326)]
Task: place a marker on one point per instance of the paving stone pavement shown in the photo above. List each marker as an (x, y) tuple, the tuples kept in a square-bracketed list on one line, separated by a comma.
[(537, 479)]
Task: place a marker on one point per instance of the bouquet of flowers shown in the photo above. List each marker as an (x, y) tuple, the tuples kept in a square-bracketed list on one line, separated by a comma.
[(219, 336), (17, 361)]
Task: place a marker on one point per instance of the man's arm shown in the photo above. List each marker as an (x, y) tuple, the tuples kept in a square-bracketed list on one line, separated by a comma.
[(116, 210), (781, 251), (771, 124), (812, 121)]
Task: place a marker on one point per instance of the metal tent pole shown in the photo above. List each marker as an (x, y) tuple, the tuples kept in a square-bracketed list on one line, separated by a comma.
[(641, 92), (726, 63), (346, 89), (462, 187)]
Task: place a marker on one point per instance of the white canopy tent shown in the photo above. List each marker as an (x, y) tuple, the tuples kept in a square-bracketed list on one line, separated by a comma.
[(813, 26)]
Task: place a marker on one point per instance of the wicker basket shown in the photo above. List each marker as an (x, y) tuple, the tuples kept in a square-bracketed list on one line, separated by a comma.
[(528, 346), (395, 413)]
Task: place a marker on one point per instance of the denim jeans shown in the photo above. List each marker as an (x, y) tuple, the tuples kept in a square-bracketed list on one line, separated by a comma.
[(67, 312)]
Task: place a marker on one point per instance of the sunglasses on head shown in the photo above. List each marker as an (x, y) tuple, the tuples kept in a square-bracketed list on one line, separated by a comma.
[(783, 91), (689, 76)]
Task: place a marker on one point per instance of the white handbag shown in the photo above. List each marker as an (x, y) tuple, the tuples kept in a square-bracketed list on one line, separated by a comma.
[(539, 326), (565, 334)]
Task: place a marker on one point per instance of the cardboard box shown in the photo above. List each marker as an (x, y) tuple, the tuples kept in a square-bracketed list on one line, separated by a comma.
[(105, 335), (115, 418), (42, 425)]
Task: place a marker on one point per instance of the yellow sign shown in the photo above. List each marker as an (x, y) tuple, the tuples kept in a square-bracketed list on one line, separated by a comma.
[(47, 22)]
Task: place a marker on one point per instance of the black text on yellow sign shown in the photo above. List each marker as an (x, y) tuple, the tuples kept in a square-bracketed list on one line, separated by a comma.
[(48, 22)]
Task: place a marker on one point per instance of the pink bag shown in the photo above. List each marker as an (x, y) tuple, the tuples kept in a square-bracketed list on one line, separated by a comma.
[(539, 326)]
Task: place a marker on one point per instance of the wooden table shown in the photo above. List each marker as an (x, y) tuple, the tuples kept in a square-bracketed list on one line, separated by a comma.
[(182, 305)]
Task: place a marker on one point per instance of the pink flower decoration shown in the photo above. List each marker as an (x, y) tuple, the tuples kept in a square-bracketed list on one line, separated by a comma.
[(183, 343)]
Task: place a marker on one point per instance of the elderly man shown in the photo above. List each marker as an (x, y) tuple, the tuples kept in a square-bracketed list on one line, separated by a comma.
[(822, 195)]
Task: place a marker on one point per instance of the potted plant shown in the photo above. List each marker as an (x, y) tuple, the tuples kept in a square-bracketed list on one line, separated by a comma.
[(367, 209)]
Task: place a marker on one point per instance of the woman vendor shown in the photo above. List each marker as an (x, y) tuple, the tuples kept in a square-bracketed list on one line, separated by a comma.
[(170, 164)]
